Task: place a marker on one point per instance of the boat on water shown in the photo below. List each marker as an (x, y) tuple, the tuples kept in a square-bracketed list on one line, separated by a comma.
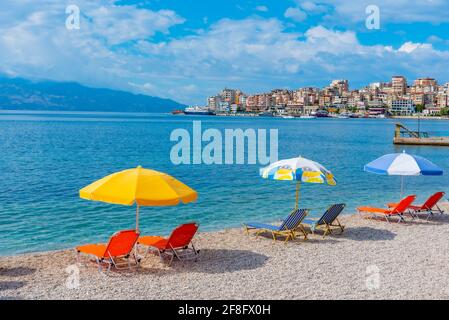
[(322, 114), (307, 117), (266, 114), (177, 112), (287, 117), (199, 111), (344, 115), (404, 136)]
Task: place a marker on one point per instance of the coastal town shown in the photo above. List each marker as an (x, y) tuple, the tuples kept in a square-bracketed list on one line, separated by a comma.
[(424, 97)]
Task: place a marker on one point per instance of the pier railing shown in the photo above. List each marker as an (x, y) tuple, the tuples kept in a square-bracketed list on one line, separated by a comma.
[(403, 135), (402, 131)]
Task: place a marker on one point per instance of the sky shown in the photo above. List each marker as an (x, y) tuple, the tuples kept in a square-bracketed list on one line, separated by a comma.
[(189, 50)]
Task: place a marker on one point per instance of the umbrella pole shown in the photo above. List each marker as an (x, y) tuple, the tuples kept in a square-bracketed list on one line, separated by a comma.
[(297, 195), (137, 217), (402, 186)]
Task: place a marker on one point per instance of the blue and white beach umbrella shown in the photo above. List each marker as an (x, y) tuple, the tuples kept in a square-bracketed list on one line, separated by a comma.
[(403, 164)]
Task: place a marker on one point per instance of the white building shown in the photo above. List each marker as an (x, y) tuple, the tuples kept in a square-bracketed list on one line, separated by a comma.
[(213, 102), (402, 107), (228, 95)]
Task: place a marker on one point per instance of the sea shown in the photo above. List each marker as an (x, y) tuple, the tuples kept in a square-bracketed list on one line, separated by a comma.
[(47, 157)]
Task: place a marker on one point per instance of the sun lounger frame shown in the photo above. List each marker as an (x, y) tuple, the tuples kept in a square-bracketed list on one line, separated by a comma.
[(111, 260), (398, 210), (329, 220), (289, 233), (429, 211), (183, 253)]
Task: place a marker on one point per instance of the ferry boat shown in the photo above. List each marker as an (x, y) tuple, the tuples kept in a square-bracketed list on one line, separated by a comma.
[(199, 111)]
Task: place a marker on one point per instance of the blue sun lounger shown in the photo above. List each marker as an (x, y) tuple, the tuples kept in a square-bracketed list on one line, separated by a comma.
[(288, 227), (328, 221)]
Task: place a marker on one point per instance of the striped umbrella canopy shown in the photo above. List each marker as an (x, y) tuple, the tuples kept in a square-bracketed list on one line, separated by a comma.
[(300, 170), (403, 164)]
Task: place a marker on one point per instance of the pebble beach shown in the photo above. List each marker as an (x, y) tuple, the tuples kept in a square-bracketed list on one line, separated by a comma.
[(372, 259)]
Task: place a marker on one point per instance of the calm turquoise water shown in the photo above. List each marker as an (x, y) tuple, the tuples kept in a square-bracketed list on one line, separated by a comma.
[(46, 158)]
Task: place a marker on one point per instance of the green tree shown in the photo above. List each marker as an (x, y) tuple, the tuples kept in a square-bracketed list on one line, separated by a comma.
[(419, 108), (444, 111)]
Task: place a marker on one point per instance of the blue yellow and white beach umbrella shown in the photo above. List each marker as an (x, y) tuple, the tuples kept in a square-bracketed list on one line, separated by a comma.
[(300, 170), (403, 164)]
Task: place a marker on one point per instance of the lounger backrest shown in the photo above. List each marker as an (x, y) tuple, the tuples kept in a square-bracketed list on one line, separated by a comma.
[(331, 214), (182, 235), (432, 201), (404, 204), (121, 243), (294, 219)]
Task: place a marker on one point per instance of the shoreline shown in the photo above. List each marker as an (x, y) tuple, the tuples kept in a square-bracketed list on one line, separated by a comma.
[(343, 216), (200, 232), (408, 261), (74, 112)]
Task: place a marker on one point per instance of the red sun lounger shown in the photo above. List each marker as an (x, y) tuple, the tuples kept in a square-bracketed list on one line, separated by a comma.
[(178, 245), (399, 210), (117, 252), (428, 208)]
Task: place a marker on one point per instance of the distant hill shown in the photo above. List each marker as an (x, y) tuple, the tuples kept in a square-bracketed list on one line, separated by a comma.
[(21, 94)]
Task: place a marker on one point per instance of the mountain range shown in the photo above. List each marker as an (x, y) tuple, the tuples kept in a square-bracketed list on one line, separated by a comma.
[(23, 94)]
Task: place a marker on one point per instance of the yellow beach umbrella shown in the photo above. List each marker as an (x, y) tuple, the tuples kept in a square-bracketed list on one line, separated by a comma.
[(143, 187)]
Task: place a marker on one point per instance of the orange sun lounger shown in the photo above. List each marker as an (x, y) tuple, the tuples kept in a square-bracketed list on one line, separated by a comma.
[(177, 245), (429, 207), (399, 210), (117, 252)]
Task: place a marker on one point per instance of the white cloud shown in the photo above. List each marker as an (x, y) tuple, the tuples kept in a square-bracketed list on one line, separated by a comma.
[(295, 14), (119, 24), (437, 40), (36, 43), (434, 38), (398, 11), (254, 50), (312, 7), (262, 8), (254, 54), (409, 47), (146, 87)]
